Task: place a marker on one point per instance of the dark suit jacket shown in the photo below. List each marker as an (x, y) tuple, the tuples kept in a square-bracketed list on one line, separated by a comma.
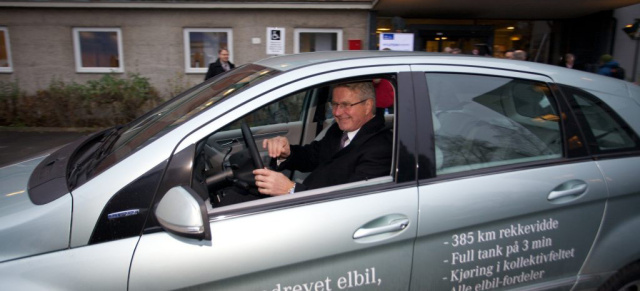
[(367, 156), (216, 68)]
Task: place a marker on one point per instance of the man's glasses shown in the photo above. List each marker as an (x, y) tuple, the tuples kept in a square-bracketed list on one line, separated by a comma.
[(345, 106)]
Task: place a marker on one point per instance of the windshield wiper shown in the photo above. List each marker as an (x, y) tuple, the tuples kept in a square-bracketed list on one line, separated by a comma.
[(107, 143), (105, 147), (90, 158)]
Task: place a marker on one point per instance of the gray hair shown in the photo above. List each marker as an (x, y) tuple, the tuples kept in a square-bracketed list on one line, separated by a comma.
[(520, 55), (364, 90)]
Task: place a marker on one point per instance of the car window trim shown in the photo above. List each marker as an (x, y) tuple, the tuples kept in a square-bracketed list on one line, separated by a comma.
[(504, 169), (420, 85), (185, 142), (194, 135), (570, 126), (583, 124), (425, 143), (309, 197)]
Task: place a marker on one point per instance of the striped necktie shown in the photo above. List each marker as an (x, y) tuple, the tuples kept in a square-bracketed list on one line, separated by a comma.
[(344, 139)]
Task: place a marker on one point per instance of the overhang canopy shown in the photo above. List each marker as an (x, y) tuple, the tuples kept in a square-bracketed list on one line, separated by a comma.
[(496, 9)]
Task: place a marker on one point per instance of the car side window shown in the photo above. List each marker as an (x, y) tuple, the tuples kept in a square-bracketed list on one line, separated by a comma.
[(225, 159), (285, 110), (608, 130), (491, 121)]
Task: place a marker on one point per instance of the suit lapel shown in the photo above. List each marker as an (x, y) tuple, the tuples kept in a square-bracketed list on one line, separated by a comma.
[(368, 129)]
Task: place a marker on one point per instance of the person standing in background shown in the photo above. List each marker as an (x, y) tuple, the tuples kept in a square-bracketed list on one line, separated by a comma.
[(520, 55), (569, 61), (508, 54), (610, 67), (221, 65)]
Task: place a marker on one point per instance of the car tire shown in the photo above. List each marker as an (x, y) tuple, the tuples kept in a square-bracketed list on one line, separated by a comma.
[(628, 278)]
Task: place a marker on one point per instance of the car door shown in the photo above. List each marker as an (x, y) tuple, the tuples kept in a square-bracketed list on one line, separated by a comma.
[(615, 145), (508, 196), (358, 235)]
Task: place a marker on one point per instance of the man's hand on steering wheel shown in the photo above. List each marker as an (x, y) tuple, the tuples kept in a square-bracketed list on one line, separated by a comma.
[(272, 183)]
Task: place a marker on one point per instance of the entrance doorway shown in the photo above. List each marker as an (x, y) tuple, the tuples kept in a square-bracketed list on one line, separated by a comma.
[(467, 38)]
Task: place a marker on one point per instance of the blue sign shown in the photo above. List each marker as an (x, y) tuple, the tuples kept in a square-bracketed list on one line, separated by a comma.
[(396, 42)]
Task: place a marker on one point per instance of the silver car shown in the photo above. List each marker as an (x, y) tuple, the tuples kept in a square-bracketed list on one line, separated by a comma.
[(505, 175)]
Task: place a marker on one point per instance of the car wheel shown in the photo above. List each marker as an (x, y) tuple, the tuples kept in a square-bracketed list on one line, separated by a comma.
[(627, 279)]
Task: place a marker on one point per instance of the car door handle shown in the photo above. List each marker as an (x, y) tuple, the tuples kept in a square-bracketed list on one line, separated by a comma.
[(571, 188), (392, 226)]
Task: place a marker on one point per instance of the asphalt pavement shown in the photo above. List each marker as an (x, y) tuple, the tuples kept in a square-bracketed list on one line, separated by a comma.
[(17, 144)]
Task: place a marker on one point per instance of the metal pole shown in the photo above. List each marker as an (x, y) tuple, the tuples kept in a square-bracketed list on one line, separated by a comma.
[(635, 62), (544, 40)]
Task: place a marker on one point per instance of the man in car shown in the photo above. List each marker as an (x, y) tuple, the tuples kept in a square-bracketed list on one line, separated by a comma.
[(356, 147)]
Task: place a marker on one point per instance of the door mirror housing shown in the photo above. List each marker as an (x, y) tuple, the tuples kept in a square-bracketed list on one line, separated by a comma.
[(182, 212)]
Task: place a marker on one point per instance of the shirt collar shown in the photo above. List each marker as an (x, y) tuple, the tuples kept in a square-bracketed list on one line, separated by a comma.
[(352, 134)]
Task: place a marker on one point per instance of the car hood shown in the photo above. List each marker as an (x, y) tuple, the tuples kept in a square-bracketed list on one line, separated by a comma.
[(13, 185), (27, 229)]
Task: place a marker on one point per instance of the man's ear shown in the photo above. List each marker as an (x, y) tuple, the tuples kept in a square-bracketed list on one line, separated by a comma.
[(372, 107)]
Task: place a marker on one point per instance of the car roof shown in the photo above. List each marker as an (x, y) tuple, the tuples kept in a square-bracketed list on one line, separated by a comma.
[(295, 61), (561, 75)]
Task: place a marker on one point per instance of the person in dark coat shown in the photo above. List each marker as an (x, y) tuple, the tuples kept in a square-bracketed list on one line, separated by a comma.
[(221, 65), (610, 67), (356, 147)]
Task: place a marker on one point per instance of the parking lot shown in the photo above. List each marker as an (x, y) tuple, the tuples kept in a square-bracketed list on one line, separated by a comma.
[(20, 144)]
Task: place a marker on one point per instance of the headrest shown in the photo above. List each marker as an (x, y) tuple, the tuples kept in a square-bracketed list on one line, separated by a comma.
[(384, 93)]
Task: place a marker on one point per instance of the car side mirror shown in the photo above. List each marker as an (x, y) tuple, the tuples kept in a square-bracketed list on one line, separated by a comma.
[(181, 211)]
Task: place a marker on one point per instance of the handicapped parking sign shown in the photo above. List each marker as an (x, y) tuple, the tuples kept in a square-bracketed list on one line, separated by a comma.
[(275, 34), (275, 41)]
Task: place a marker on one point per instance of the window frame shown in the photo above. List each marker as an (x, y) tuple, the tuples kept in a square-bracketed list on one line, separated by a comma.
[(427, 169), (298, 31), (78, 52), (187, 47), (259, 99), (8, 69), (513, 114), (592, 143)]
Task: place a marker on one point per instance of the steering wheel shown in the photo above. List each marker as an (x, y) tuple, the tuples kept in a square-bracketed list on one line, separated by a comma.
[(251, 146)]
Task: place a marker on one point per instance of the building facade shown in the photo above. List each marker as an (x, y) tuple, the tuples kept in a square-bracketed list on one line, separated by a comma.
[(627, 50), (172, 42), (170, 46)]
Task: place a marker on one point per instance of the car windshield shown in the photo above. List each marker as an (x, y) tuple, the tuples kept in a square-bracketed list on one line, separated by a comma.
[(180, 109)]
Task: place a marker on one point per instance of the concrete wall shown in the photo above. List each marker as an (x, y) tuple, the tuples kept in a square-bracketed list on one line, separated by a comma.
[(42, 39), (624, 49)]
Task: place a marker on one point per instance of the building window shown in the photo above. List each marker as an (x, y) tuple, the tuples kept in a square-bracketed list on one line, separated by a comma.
[(5, 51), (317, 40), (202, 45), (98, 50)]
